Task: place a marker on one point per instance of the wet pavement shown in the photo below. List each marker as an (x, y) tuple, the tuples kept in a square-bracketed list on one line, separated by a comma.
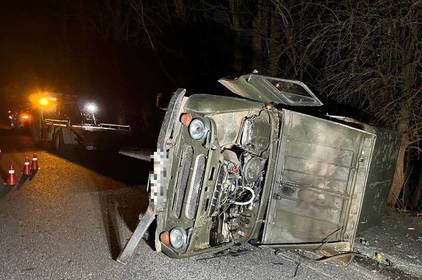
[(71, 219)]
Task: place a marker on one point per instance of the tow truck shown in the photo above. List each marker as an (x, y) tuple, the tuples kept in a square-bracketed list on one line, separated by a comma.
[(64, 122)]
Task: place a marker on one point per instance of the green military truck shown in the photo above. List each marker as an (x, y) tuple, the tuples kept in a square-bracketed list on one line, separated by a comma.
[(262, 169)]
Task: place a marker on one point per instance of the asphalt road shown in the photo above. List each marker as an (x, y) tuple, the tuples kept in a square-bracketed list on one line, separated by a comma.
[(70, 220)]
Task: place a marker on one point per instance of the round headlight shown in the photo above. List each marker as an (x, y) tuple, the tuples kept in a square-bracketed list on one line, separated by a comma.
[(178, 238), (91, 108), (197, 129)]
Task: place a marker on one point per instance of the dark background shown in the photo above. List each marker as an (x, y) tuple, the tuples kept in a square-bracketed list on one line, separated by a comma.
[(59, 46)]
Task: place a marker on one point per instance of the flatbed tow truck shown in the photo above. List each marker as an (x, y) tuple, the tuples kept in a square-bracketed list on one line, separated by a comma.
[(63, 122)]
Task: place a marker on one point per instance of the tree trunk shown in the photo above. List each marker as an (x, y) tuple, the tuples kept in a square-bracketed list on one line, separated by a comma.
[(398, 180), (409, 76)]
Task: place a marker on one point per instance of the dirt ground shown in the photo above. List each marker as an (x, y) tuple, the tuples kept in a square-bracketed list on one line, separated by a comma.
[(394, 247)]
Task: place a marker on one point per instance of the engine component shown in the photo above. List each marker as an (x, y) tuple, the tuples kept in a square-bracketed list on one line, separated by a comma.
[(239, 185), (249, 201), (256, 133), (229, 155), (253, 168)]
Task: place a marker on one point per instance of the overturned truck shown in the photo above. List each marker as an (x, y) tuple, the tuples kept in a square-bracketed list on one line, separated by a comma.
[(257, 169)]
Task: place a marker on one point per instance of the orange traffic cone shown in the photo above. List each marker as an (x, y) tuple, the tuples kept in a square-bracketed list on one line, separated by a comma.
[(34, 165), (11, 177), (26, 167)]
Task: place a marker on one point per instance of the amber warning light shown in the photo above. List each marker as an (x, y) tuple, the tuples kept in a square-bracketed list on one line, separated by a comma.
[(185, 119), (25, 117), (44, 101)]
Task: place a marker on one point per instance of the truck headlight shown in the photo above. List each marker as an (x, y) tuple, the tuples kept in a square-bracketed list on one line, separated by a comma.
[(178, 238), (91, 108), (197, 129)]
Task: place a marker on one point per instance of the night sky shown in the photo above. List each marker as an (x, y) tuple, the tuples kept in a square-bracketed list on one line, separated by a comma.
[(59, 46)]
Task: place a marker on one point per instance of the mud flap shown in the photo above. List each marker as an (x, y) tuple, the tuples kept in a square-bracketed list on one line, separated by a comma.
[(143, 225)]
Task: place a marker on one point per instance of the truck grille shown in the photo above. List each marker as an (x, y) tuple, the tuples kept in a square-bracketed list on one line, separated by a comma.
[(182, 182), (195, 190)]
